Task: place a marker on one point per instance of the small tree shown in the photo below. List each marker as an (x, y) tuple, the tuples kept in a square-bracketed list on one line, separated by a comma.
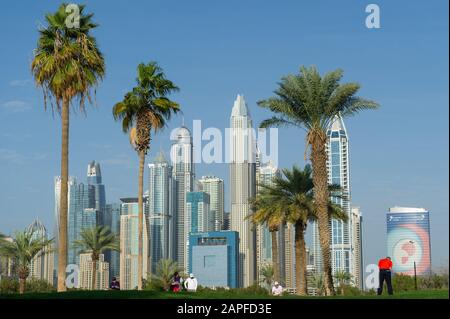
[(165, 269), (318, 283), (343, 278), (267, 275), (96, 240), (22, 250)]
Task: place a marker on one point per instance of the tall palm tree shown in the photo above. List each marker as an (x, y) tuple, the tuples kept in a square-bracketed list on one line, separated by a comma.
[(95, 240), (292, 194), (266, 212), (165, 269), (22, 250), (312, 102), (145, 108), (67, 65)]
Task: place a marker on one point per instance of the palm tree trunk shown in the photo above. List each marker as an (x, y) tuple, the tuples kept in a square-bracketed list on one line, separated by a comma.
[(300, 259), (62, 240), (22, 284), (140, 216), (94, 272), (275, 262), (321, 198)]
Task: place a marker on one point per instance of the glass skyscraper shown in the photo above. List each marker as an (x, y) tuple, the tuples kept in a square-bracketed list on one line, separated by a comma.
[(183, 174), (213, 186), (161, 191), (113, 221), (265, 173), (197, 212), (86, 207)]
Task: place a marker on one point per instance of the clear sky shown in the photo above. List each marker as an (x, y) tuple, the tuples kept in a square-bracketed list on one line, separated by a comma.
[(214, 50)]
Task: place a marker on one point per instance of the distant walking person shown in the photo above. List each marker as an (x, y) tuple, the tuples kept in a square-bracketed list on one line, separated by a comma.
[(191, 283), (385, 266), (115, 285)]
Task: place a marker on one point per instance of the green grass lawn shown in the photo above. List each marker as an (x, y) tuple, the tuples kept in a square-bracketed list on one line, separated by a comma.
[(132, 294)]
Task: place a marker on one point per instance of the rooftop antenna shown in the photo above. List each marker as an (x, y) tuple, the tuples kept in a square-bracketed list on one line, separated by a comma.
[(182, 120)]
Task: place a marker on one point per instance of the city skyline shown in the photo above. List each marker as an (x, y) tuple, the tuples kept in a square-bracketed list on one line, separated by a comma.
[(385, 150)]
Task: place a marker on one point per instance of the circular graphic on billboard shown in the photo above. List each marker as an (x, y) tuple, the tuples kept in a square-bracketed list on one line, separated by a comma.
[(406, 243)]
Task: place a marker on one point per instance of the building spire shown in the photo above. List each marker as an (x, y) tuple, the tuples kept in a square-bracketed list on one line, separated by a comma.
[(240, 107)]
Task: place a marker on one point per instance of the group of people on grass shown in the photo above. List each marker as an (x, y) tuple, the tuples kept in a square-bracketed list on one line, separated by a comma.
[(178, 283), (190, 284)]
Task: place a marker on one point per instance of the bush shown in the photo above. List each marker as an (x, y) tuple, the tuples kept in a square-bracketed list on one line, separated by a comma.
[(351, 291), (255, 289), (432, 282), (401, 282), (9, 286), (37, 285)]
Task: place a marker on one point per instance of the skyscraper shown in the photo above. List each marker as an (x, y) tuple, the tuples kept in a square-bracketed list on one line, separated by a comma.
[(72, 217), (42, 264), (94, 178), (213, 186), (265, 173), (242, 188), (113, 221), (408, 240), (183, 173), (129, 244), (342, 250), (86, 208), (197, 212), (356, 223), (161, 209)]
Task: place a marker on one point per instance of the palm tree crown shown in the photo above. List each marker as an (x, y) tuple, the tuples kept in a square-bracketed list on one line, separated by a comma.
[(67, 62), (146, 107), (97, 239), (310, 101)]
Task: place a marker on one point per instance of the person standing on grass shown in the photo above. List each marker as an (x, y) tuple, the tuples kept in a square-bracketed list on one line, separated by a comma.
[(385, 266)]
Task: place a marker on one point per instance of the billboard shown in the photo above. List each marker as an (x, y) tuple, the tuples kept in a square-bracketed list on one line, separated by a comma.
[(408, 240)]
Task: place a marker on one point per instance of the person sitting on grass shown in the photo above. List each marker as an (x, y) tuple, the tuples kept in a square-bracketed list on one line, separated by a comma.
[(191, 283), (115, 285), (277, 289), (175, 286)]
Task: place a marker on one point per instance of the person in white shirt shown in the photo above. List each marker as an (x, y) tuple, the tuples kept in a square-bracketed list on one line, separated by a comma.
[(277, 289), (191, 283)]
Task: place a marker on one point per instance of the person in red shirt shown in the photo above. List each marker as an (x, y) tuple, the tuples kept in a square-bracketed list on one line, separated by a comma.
[(385, 266)]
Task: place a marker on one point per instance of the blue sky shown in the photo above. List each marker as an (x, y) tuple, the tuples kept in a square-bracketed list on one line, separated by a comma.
[(214, 50)]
